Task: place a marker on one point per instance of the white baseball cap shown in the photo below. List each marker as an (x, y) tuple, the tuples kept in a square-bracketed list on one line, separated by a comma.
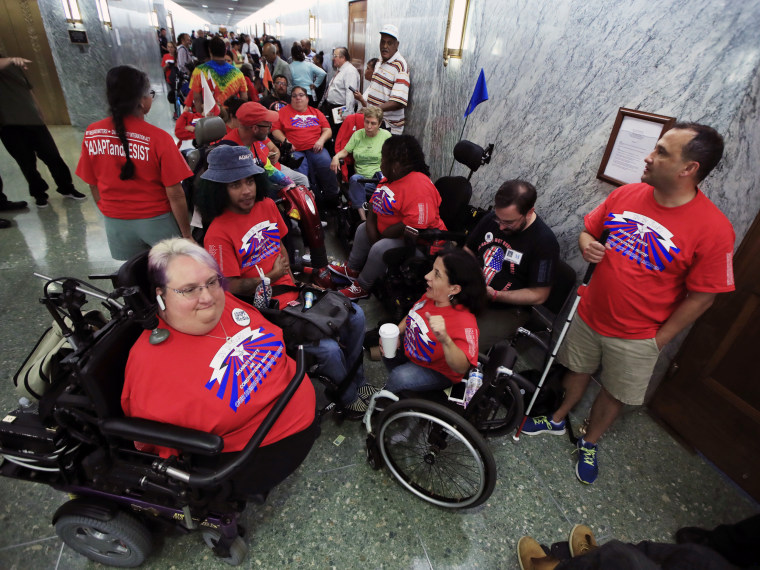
[(390, 30)]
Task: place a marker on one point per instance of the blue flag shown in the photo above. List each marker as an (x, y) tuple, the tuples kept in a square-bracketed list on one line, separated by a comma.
[(479, 95)]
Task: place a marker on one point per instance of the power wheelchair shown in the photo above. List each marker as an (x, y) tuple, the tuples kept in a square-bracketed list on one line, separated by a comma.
[(436, 448), (77, 440)]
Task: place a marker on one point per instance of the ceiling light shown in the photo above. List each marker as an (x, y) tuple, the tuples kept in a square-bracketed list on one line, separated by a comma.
[(230, 8), (204, 5)]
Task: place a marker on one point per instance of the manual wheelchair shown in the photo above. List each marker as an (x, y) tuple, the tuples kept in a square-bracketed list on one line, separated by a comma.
[(77, 440), (436, 448)]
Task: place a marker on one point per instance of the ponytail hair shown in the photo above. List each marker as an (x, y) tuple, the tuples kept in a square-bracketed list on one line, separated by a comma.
[(125, 88)]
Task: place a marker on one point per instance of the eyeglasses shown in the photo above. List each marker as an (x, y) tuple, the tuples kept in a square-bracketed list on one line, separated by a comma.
[(297, 95), (194, 292), (509, 223), (152, 94), (281, 83), (264, 126)]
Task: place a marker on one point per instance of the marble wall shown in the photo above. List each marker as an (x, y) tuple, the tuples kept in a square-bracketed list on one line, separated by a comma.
[(82, 69), (557, 72)]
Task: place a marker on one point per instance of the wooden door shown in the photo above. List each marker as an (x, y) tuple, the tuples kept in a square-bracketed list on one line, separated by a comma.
[(357, 35), (22, 34), (711, 395)]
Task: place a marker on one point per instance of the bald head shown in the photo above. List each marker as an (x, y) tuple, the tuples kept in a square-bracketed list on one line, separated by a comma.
[(269, 51)]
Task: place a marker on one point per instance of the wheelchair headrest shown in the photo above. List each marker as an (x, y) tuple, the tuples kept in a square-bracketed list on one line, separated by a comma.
[(209, 129), (133, 272), (470, 154)]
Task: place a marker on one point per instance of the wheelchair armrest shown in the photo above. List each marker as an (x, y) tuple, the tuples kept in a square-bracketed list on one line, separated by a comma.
[(165, 435)]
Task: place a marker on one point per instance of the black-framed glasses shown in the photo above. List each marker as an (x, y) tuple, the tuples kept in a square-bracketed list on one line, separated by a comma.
[(152, 94)]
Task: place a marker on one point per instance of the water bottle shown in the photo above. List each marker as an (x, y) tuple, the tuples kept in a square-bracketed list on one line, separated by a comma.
[(263, 294), (474, 382)]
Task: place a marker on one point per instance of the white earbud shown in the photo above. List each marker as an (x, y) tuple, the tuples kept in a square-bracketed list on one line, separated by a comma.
[(160, 301)]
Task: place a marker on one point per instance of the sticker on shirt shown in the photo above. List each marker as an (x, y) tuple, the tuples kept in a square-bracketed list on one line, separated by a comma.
[(241, 317), (242, 364), (641, 239), (488, 238), (417, 341), (383, 201), (260, 242), (304, 121)]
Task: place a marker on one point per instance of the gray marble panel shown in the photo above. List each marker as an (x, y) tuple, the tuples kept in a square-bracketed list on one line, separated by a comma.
[(82, 69)]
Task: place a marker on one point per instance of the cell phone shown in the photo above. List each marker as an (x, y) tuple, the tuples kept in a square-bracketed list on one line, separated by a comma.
[(352, 89)]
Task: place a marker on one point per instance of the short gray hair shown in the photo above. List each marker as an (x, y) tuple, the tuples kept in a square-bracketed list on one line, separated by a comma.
[(166, 250)]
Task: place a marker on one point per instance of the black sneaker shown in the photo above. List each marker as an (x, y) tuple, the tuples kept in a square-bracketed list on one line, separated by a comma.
[(72, 193), (4, 224), (41, 201), (9, 206)]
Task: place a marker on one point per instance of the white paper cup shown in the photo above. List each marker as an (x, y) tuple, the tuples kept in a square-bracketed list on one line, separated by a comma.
[(389, 339)]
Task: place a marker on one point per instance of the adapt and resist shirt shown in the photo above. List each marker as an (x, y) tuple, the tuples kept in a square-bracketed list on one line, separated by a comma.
[(301, 129), (366, 151), (220, 386), (241, 242), (515, 261), (421, 345), (657, 255), (413, 200), (158, 165)]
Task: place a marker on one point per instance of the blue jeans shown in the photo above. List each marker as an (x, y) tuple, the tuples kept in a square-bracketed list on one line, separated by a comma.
[(316, 165), (406, 375), (334, 360), (357, 192)]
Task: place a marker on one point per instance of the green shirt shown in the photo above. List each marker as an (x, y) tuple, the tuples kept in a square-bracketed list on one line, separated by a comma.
[(366, 151)]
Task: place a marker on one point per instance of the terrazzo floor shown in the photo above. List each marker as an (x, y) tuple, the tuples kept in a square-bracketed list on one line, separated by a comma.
[(335, 511)]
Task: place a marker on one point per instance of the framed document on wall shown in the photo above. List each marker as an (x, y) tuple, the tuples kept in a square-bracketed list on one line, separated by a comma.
[(634, 135)]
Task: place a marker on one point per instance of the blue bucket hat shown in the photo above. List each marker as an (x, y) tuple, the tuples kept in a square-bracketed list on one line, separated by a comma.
[(229, 164)]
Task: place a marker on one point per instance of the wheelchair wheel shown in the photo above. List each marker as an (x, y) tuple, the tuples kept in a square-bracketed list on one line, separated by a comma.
[(436, 454), (122, 541), (501, 417), (238, 548)]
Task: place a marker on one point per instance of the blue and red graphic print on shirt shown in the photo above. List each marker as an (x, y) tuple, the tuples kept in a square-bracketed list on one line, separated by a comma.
[(417, 342), (241, 365), (304, 121), (493, 261), (383, 201), (260, 242), (641, 239)]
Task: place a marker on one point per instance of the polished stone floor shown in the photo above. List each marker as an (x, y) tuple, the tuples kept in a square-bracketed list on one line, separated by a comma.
[(336, 512)]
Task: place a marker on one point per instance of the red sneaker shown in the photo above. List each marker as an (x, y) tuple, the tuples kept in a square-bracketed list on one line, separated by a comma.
[(355, 292), (319, 277), (344, 271)]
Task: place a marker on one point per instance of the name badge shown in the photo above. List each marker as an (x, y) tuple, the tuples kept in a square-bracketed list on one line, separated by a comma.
[(241, 317), (513, 256)]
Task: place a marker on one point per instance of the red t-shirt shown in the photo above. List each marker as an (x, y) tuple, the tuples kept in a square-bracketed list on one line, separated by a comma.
[(421, 345), (658, 255), (158, 165), (302, 129), (241, 242), (226, 388), (168, 58), (413, 200), (186, 119)]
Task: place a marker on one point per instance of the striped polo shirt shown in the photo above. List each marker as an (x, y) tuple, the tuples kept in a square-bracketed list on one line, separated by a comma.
[(390, 82)]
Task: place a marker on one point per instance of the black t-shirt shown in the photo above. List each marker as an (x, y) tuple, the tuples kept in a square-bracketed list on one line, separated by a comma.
[(273, 103), (526, 259)]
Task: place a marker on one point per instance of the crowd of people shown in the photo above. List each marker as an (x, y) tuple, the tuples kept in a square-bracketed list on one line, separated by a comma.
[(657, 272)]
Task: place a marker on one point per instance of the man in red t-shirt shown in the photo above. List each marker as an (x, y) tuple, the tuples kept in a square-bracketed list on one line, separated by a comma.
[(658, 272)]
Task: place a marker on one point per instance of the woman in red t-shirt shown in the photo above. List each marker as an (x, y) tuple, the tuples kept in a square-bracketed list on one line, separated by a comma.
[(134, 169), (440, 333), (220, 369), (307, 129), (405, 197)]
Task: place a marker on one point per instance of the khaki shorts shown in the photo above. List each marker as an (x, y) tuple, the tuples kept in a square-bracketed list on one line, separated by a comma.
[(627, 364)]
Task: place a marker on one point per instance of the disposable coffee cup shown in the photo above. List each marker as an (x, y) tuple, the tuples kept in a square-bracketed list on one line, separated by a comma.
[(389, 339)]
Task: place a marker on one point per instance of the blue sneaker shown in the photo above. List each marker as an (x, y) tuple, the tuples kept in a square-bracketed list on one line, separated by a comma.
[(587, 468), (542, 424)]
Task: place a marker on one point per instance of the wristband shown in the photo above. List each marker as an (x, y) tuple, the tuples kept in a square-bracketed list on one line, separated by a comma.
[(495, 295)]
